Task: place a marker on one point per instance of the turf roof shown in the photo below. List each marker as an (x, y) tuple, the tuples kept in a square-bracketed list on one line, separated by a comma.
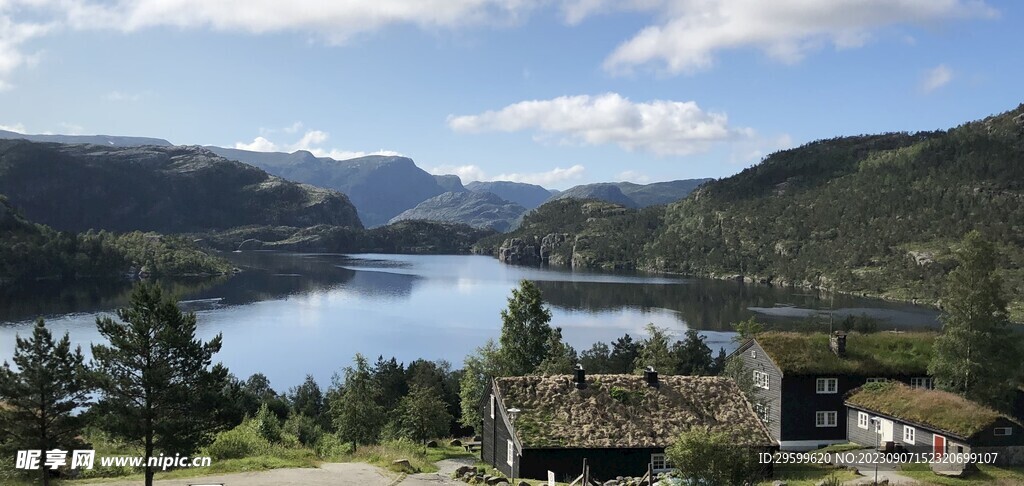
[(621, 411), (882, 353), (935, 409)]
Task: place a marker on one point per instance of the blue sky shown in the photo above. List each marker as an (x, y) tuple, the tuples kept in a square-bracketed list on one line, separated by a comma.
[(545, 91)]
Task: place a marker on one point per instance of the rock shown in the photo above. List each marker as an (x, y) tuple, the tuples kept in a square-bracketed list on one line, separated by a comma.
[(611, 482), (496, 480), (478, 438), (455, 443), (779, 483), (402, 465), (518, 251), (464, 470), (523, 483), (432, 444), (250, 244), (922, 258)]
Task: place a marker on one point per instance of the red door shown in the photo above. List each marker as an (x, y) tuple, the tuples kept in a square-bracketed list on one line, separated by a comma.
[(939, 445)]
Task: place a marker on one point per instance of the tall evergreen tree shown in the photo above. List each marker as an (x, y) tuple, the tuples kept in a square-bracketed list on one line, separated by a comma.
[(38, 400), (597, 359), (655, 351), (390, 378), (357, 413), (624, 354), (525, 329), (307, 399), (977, 354), (155, 377), (561, 358), (692, 355)]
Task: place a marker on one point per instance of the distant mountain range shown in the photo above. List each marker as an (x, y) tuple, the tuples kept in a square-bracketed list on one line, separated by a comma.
[(631, 195), (526, 195), (170, 189), (114, 141), (477, 209)]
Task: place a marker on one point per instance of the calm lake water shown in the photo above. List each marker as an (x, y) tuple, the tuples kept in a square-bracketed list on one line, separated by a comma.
[(288, 315)]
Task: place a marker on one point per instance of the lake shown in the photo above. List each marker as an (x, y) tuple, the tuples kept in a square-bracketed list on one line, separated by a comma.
[(287, 315)]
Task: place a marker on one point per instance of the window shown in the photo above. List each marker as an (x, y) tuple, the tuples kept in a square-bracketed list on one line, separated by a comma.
[(908, 434), (492, 406), (761, 379), (763, 411), (827, 385), (753, 353), (877, 380), (511, 453), (1002, 431), (862, 420), (878, 425), (921, 382), (660, 463), (825, 419)]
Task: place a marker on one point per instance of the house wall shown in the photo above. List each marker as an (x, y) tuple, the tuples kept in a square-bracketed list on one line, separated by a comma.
[(495, 437), (754, 358), (567, 464), (923, 438)]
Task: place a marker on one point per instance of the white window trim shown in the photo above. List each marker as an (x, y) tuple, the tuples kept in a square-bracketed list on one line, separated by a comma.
[(878, 425), (1008, 430), (763, 411), (922, 382), (826, 414), (492, 405), (762, 379), (753, 353), (821, 386), (863, 421), (660, 458), (909, 434), (877, 380), (511, 453)]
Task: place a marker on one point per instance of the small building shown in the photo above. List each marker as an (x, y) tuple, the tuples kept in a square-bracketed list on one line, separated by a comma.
[(800, 379), (619, 424), (894, 416)]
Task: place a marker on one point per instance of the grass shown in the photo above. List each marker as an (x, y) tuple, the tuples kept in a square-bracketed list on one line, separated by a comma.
[(850, 446), (808, 474), (383, 455), (987, 475), (881, 353), (939, 409)]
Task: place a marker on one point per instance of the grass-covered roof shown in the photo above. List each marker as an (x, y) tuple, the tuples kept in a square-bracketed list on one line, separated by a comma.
[(935, 409), (882, 353), (621, 411)]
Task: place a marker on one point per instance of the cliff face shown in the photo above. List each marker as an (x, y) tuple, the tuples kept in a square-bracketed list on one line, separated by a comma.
[(156, 188), (477, 209)]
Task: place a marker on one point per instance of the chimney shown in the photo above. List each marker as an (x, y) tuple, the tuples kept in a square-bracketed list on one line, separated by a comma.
[(580, 377), (651, 377), (837, 342)]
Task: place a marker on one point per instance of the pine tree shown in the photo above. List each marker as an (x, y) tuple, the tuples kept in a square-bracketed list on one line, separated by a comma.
[(624, 353), (692, 355), (977, 354), (525, 329), (155, 377), (307, 399), (356, 405), (40, 397), (655, 352), (561, 358)]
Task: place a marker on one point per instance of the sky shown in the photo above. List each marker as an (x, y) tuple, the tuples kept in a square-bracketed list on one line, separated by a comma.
[(552, 92)]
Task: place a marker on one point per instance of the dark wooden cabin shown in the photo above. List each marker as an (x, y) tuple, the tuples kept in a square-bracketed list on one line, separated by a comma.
[(895, 417), (619, 424), (800, 379)]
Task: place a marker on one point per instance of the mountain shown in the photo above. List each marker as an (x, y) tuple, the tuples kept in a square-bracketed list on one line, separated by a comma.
[(477, 209), (114, 141), (630, 195), (526, 195), (874, 215), (167, 189), (450, 183), (603, 191), (379, 186)]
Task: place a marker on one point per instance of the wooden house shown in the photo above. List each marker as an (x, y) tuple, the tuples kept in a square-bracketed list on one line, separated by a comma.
[(619, 424), (800, 379), (896, 417)]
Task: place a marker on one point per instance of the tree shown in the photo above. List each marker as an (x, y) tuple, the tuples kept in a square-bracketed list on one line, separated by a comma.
[(561, 358), (477, 371), (692, 355), (389, 376), (597, 359), (307, 399), (706, 457), (977, 353), (355, 407), (624, 353), (746, 330), (422, 414), (38, 401), (156, 384), (718, 367), (654, 351), (525, 329)]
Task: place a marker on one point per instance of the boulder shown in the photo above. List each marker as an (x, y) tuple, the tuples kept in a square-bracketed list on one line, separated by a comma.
[(478, 438), (464, 470), (432, 444), (403, 466), (455, 443), (523, 483), (779, 483), (495, 480)]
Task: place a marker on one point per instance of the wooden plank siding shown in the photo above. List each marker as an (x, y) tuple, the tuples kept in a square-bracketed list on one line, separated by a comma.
[(497, 435), (755, 358)]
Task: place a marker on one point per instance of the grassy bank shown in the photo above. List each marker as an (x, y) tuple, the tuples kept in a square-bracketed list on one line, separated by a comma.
[(988, 475)]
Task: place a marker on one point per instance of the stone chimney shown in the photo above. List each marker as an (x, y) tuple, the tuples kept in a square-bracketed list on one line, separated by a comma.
[(580, 377), (837, 342), (651, 377)]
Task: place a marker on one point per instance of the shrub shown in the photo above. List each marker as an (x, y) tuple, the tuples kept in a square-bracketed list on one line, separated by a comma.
[(305, 429), (713, 458), (267, 425), (240, 442)]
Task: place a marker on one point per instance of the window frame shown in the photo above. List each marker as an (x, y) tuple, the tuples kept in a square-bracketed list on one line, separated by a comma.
[(492, 405), (763, 411), (924, 382), (511, 453), (909, 434), (1009, 431), (660, 457), (825, 423), (762, 379), (821, 386), (877, 379), (863, 420)]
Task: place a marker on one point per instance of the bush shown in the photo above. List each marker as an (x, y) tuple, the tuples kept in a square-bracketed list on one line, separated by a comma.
[(267, 425), (706, 457), (330, 445), (238, 443), (305, 429)]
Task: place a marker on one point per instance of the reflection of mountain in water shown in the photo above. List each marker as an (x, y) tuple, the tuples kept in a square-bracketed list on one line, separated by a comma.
[(716, 304)]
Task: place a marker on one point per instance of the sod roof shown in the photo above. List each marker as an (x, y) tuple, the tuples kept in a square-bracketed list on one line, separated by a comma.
[(882, 353), (935, 409), (621, 411)]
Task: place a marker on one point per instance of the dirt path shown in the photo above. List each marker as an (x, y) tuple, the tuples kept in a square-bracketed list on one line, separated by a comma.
[(442, 477), (328, 474)]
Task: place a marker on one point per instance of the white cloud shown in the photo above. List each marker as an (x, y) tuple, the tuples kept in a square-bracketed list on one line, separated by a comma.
[(469, 173), (17, 128), (660, 127), (310, 141), (125, 96), (690, 33), (936, 78), (633, 176)]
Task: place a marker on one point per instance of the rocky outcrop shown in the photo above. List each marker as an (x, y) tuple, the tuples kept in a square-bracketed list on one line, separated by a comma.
[(477, 209), (517, 251)]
